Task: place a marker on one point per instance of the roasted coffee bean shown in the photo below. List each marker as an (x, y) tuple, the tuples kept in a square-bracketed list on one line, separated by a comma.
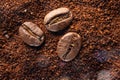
[(69, 46), (31, 34), (58, 19)]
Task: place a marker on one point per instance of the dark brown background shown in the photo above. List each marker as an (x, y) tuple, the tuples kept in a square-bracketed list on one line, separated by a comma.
[(97, 21)]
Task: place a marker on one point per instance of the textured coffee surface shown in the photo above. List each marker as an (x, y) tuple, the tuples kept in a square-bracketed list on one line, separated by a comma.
[(104, 75), (42, 61), (68, 46), (31, 34), (64, 78), (97, 21), (58, 19)]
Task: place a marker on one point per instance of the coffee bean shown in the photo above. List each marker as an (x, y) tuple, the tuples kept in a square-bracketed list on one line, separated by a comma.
[(31, 34), (69, 46), (58, 19)]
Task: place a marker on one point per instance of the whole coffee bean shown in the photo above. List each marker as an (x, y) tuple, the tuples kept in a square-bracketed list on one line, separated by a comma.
[(69, 46), (58, 19), (31, 34)]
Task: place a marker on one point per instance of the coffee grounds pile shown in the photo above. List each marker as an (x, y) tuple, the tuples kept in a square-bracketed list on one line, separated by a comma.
[(97, 21)]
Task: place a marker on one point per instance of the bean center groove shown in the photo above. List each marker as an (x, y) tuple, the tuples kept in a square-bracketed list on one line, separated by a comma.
[(68, 50), (30, 31), (59, 18)]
